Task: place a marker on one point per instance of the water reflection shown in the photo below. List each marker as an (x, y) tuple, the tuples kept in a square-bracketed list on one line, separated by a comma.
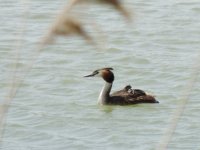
[(106, 108)]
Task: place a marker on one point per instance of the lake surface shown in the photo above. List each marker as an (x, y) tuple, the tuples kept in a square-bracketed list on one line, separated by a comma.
[(56, 108)]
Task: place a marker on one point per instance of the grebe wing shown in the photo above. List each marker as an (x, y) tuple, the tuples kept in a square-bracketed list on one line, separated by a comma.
[(143, 99), (129, 99), (138, 92)]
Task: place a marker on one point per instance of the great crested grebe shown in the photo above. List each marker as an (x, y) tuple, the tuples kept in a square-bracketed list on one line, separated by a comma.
[(126, 96)]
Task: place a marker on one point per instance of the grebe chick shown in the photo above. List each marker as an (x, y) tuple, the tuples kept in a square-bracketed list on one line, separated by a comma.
[(126, 96)]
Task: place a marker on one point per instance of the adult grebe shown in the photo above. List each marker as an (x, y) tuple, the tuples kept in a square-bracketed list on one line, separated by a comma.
[(126, 96)]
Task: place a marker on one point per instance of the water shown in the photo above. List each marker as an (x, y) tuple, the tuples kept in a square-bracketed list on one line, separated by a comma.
[(56, 108)]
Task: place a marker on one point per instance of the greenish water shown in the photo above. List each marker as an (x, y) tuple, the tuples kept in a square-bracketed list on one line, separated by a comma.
[(56, 108)]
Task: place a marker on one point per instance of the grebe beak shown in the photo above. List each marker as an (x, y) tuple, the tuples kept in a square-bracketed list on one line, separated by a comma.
[(92, 75)]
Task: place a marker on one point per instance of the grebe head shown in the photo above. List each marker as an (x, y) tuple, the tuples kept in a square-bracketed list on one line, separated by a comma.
[(105, 73)]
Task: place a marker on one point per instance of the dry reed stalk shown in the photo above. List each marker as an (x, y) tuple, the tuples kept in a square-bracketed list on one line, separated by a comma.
[(164, 143), (63, 26), (13, 82), (66, 26)]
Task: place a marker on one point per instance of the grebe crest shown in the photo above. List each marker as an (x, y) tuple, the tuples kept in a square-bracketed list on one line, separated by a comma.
[(126, 96)]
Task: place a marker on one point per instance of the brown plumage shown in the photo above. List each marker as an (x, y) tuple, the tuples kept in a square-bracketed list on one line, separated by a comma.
[(128, 96)]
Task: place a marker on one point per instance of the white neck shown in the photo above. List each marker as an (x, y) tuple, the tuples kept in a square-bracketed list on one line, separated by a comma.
[(104, 94)]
